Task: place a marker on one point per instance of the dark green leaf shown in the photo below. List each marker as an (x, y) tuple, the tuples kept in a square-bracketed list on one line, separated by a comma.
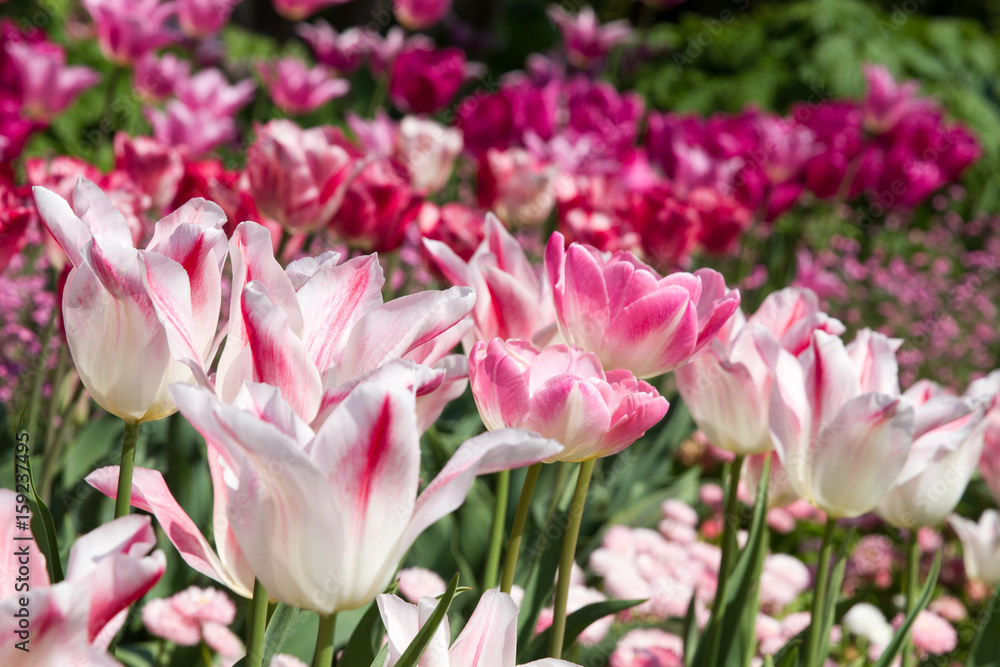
[(278, 629), (48, 533), (892, 650), (416, 648), (983, 652), (577, 622), (690, 633)]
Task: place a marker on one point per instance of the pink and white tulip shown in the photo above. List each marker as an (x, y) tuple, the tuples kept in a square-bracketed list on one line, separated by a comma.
[(511, 299), (125, 308), (315, 329), (489, 637), (564, 394), (48, 86), (428, 150), (129, 29), (988, 389), (342, 52), (192, 131), (980, 546), (837, 421), (324, 517), (947, 442), (298, 89), (623, 311), (727, 388), (585, 40), (109, 568), (210, 90), (155, 167)]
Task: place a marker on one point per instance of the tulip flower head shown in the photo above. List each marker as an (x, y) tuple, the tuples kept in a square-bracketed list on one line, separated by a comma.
[(585, 40), (727, 388), (324, 517), (980, 546), (420, 14), (119, 301), (129, 29), (564, 394), (837, 421), (491, 631), (204, 18), (342, 52), (299, 89), (623, 311), (48, 86)]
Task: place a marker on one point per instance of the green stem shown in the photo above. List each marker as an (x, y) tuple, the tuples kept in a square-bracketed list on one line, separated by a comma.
[(496, 535), (206, 654), (324, 655), (257, 622), (566, 560), (819, 597), (912, 591), (124, 498), (378, 97), (730, 548), (517, 530)]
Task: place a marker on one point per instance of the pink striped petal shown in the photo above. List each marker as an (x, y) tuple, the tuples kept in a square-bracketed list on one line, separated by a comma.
[(572, 411), (279, 356), (200, 213), (489, 638), (586, 305), (498, 385), (831, 379), (93, 207), (448, 263), (68, 230)]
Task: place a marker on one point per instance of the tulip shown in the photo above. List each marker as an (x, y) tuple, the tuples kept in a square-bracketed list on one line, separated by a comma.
[(123, 307), (623, 311), (109, 568), (129, 29), (156, 168), (510, 299), (887, 102), (48, 86), (378, 206), (428, 150), (343, 52), (191, 131), (324, 517), (298, 177), (210, 90), (425, 79), (316, 327), (204, 18), (564, 394), (519, 186), (727, 388), (838, 423), (491, 631), (156, 78), (947, 442), (298, 89), (586, 41), (420, 14), (385, 50), (980, 546), (461, 228), (297, 10), (988, 389)]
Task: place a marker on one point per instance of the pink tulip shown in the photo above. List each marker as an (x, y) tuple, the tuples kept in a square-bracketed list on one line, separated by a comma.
[(980, 546), (318, 327), (460, 227), (343, 52), (129, 29), (420, 14), (109, 568), (518, 186), (297, 10), (628, 315), (156, 168), (988, 389), (298, 177), (837, 421), (48, 86), (727, 388), (385, 50), (204, 18), (564, 394), (298, 89), (156, 78), (210, 90), (133, 306), (428, 150), (489, 636), (192, 131), (342, 499), (586, 41), (425, 79), (887, 102), (511, 301), (378, 135), (947, 442)]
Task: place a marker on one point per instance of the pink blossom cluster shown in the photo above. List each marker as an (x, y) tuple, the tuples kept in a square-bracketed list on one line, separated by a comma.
[(195, 615)]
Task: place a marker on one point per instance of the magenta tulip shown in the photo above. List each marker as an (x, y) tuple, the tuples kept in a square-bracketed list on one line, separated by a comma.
[(125, 309), (155, 167), (425, 79), (564, 394), (204, 18), (585, 40), (48, 86), (324, 517), (727, 388), (129, 29), (343, 52), (623, 311), (298, 89)]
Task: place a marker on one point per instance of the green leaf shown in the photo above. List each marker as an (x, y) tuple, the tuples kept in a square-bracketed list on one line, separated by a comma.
[(833, 593), (51, 546), (278, 629), (690, 633), (983, 652), (416, 648), (791, 657), (892, 650), (381, 657), (538, 589), (577, 622)]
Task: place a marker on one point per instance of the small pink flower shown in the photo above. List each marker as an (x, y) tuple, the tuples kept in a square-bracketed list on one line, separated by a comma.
[(585, 40), (931, 634), (950, 608), (648, 648), (298, 89), (419, 582), (163, 620), (192, 615), (680, 511)]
